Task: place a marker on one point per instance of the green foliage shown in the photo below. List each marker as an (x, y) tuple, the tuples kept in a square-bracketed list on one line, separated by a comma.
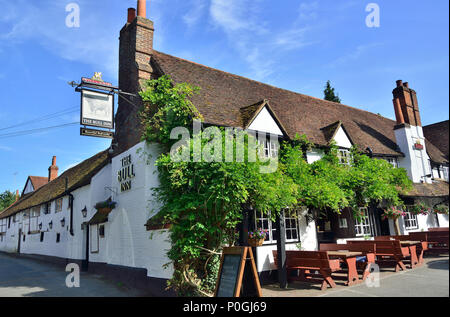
[(329, 93), (6, 199), (204, 200)]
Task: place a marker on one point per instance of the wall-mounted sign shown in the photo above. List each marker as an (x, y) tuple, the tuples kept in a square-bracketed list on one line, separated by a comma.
[(126, 174), (418, 146), (97, 133), (97, 109)]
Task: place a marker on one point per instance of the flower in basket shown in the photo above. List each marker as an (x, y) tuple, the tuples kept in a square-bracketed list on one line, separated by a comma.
[(393, 213), (441, 209), (258, 234), (419, 209)]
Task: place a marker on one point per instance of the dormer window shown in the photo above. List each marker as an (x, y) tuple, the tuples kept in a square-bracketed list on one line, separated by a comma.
[(269, 149), (344, 156)]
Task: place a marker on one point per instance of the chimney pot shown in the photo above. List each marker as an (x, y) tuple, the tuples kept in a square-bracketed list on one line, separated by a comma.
[(399, 83), (131, 15), (53, 170), (141, 8), (406, 85)]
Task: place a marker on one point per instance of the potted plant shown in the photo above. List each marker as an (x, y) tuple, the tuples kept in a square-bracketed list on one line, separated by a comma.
[(441, 209), (256, 238), (419, 209), (106, 206), (393, 213)]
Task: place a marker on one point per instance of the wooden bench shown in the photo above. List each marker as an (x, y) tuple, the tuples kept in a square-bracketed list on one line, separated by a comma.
[(416, 236), (368, 251), (438, 229), (387, 252), (306, 261), (437, 241)]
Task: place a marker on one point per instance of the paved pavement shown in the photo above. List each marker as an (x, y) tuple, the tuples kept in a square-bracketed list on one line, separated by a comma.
[(28, 277), (21, 277), (428, 280)]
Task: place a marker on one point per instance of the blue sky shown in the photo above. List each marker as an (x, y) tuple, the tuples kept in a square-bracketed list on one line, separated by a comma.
[(297, 45)]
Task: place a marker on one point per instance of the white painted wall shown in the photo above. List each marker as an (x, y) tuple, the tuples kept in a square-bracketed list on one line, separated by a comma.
[(264, 122), (28, 187), (416, 162), (126, 241), (342, 139), (314, 155), (308, 239)]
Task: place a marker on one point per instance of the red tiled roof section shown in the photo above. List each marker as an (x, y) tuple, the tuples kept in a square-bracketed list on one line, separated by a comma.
[(437, 134), (222, 95), (38, 181)]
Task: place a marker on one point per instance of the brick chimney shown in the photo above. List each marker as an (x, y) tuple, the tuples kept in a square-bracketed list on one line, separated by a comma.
[(17, 195), (135, 50), (53, 170), (405, 105)]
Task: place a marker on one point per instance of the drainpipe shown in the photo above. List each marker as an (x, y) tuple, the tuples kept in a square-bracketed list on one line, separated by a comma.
[(71, 214), (71, 199)]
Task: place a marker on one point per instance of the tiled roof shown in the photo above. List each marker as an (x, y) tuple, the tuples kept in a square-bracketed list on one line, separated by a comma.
[(436, 189), (77, 176), (38, 181), (223, 95), (437, 134)]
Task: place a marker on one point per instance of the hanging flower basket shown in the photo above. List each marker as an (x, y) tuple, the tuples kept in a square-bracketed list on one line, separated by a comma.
[(255, 242), (393, 213), (256, 238), (105, 207), (419, 209), (441, 209)]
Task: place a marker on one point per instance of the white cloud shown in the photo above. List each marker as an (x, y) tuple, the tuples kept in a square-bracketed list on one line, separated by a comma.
[(5, 148), (195, 13), (260, 47), (354, 55), (93, 43)]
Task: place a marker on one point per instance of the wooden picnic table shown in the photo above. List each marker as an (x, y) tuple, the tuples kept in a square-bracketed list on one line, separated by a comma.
[(412, 246), (350, 259)]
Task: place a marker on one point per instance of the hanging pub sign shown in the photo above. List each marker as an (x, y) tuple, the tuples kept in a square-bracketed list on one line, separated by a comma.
[(97, 109), (97, 102)]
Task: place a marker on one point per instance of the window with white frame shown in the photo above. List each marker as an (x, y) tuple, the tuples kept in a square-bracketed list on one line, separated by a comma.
[(392, 160), (34, 218), (58, 205), (410, 220), (3, 225), (291, 225), (445, 173), (344, 156), (269, 148), (362, 226)]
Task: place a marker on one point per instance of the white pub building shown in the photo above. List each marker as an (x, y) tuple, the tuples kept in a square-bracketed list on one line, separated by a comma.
[(56, 217)]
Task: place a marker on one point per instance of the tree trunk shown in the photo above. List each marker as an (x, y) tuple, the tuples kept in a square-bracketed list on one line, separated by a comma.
[(396, 227)]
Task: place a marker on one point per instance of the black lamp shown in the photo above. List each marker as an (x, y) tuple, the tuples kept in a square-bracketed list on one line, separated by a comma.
[(63, 222), (50, 224), (84, 212), (40, 226)]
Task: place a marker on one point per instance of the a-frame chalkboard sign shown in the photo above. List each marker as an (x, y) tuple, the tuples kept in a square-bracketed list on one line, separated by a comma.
[(235, 263)]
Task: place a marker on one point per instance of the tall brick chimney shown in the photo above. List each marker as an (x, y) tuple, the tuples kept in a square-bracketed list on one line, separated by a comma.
[(135, 50), (53, 170), (406, 105)]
